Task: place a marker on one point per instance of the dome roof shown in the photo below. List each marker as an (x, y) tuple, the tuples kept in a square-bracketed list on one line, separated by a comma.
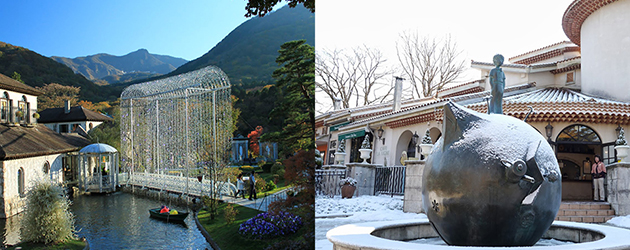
[(98, 148)]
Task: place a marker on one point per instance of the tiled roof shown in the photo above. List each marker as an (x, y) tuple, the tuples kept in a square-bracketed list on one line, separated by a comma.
[(539, 49), (547, 55), (562, 105), (20, 142), (9, 84), (77, 113), (575, 15), (472, 83), (508, 65)]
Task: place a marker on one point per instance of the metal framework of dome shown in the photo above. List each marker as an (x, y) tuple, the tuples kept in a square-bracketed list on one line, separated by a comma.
[(176, 129)]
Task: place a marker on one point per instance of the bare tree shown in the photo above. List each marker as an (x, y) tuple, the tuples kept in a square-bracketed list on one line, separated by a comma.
[(429, 64), (355, 77)]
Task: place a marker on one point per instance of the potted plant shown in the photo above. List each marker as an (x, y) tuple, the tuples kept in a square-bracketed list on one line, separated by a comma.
[(36, 115), (19, 114), (426, 144), (348, 186), (340, 155), (621, 146), (366, 149)]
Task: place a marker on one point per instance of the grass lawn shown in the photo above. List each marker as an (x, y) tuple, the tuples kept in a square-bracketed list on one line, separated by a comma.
[(71, 245), (227, 236)]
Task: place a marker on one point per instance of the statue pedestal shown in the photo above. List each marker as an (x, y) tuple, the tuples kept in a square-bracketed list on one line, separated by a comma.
[(618, 187), (365, 175), (412, 201)]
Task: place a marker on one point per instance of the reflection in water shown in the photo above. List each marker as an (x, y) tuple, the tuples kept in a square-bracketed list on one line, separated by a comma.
[(10, 230), (121, 221)]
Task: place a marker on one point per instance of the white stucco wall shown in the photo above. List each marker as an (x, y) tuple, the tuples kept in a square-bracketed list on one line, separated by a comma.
[(84, 124), (33, 171), (605, 38)]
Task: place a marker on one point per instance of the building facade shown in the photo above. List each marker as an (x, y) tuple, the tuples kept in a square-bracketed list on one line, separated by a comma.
[(28, 152), (564, 96)]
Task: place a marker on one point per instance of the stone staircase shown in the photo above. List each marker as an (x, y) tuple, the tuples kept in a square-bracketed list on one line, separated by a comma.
[(585, 211)]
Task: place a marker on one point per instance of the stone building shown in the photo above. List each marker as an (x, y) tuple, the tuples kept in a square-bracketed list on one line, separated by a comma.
[(28, 152), (574, 93)]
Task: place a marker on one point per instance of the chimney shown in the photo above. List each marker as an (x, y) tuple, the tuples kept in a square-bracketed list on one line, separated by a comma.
[(337, 104), (397, 93), (67, 107)]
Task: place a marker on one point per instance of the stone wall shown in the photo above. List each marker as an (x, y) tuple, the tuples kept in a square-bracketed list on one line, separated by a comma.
[(365, 175), (618, 180), (412, 201)]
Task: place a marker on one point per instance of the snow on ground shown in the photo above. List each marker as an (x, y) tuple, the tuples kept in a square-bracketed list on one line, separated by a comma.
[(620, 221), (334, 212)]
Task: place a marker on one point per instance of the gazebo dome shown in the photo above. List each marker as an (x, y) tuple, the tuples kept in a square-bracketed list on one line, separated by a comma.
[(98, 148)]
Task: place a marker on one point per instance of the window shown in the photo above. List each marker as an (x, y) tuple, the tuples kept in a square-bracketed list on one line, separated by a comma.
[(22, 108), (4, 107), (608, 153), (578, 133), (21, 182), (46, 168), (570, 77), (63, 128)]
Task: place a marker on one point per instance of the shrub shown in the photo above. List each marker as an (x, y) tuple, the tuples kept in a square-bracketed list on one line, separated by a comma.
[(268, 226), (47, 218), (229, 214), (276, 167), (267, 167), (260, 183), (281, 174), (270, 186), (246, 168)]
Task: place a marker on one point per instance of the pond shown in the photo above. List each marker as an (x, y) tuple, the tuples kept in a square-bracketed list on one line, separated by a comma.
[(121, 221)]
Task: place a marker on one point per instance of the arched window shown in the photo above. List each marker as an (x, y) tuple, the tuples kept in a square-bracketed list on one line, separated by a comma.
[(21, 190), (46, 168), (578, 133)]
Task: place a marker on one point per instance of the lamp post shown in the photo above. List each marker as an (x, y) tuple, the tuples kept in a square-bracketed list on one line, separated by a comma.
[(548, 132), (380, 134)]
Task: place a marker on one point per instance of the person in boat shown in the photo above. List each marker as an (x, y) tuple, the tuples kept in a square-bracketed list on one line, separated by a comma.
[(164, 210), (240, 185)]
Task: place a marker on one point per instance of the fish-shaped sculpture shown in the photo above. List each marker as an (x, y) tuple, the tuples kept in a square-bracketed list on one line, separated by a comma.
[(490, 180)]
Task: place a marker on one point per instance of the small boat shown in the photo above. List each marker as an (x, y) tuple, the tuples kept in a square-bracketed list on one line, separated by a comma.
[(180, 216)]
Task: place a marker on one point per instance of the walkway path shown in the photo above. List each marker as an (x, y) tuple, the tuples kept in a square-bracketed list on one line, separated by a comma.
[(262, 203)]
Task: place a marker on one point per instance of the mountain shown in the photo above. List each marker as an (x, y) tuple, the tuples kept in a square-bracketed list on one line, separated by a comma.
[(37, 70), (140, 63), (248, 53)]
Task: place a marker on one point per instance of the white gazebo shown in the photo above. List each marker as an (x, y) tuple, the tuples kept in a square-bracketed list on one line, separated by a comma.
[(98, 168)]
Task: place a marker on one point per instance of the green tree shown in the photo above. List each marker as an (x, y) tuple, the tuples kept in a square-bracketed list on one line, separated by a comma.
[(108, 132), (55, 95), (262, 7), (16, 76), (296, 78)]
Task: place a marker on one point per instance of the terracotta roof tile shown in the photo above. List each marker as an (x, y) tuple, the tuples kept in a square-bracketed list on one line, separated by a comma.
[(575, 15)]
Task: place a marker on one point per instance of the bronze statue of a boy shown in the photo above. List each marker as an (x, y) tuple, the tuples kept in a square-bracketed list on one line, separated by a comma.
[(497, 82)]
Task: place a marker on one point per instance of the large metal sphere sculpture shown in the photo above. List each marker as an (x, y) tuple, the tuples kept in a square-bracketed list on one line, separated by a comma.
[(491, 180)]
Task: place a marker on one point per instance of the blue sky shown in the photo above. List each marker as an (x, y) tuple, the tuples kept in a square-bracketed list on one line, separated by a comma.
[(186, 29)]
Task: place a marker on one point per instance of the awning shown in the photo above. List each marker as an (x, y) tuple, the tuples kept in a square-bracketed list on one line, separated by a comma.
[(336, 127), (351, 135)]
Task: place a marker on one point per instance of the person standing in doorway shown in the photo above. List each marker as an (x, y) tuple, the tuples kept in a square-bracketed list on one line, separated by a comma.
[(599, 173), (252, 186)]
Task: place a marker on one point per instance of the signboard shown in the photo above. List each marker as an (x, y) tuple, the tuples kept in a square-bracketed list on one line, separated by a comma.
[(351, 135)]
